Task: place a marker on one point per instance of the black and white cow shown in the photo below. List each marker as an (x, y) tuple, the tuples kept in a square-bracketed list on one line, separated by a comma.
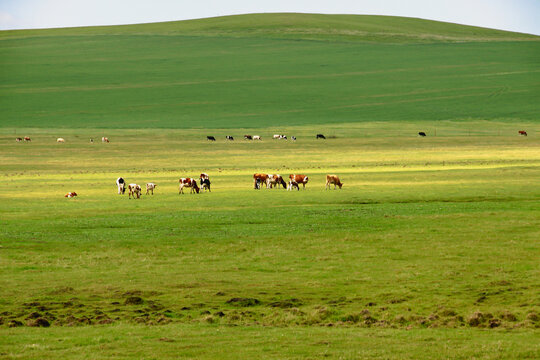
[(121, 183)]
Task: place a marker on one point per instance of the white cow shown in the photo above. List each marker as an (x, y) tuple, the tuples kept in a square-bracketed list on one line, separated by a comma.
[(134, 190), (150, 187), (60, 140), (121, 183)]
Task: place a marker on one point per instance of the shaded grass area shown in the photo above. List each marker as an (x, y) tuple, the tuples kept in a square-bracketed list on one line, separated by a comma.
[(190, 341)]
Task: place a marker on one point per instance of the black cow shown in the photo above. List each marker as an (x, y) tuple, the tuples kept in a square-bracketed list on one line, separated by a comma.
[(210, 138), (293, 138), (421, 133), (229, 138), (248, 137), (320, 136), (205, 184)]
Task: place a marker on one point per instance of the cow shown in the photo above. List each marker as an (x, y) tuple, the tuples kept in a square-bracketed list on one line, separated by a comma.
[(276, 136), (522, 132), (150, 188), (134, 190), (293, 138), (333, 179), (275, 180), (230, 138), (259, 179), (60, 140), (204, 176), (295, 180), (320, 136), (91, 141), (421, 133), (121, 183), (104, 140), (283, 137), (248, 137), (190, 183), (205, 184), (256, 137), (18, 139), (210, 138), (26, 138), (71, 194)]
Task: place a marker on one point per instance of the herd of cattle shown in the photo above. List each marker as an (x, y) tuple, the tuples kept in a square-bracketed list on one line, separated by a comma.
[(268, 180)]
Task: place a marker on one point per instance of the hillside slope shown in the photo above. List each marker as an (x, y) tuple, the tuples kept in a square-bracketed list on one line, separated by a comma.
[(368, 28), (239, 71)]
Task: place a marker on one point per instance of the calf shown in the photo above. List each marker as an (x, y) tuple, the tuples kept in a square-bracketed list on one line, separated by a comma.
[(210, 138), (230, 138), (275, 180), (26, 138), (259, 179), (18, 139), (320, 136), (104, 139), (71, 194), (121, 183), (295, 180), (248, 137), (421, 133), (522, 132), (333, 179), (190, 183), (60, 140), (134, 190), (150, 188)]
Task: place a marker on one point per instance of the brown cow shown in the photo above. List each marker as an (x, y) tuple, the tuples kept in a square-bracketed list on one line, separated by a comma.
[(71, 194), (333, 179), (295, 180), (522, 132), (134, 190), (259, 179), (190, 183), (26, 138), (275, 180), (18, 139)]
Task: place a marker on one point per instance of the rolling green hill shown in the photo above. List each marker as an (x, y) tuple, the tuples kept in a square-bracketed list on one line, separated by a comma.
[(266, 69)]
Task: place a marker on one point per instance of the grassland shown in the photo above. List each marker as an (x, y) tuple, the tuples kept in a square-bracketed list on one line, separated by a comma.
[(430, 250)]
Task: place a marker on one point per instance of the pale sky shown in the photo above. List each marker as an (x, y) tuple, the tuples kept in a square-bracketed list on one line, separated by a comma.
[(512, 15)]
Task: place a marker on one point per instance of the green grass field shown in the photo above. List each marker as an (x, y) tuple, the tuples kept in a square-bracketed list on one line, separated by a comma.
[(430, 250)]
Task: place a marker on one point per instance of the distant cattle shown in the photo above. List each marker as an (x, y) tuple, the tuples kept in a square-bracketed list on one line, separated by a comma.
[(277, 136), (91, 141), (134, 190), (229, 138), (295, 180), (210, 138), (256, 137), (320, 136), (60, 140), (259, 179), (421, 133), (104, 140), (26, 138), (150, 188), (248, 137), (333, 180), (293, 138), (522, 132), (18, 139), (190, 183), (121, 183), (205, 184), (274, 180), (71, 194)]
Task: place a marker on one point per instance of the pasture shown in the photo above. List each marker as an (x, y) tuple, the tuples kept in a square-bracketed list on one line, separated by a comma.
[(437, 233)]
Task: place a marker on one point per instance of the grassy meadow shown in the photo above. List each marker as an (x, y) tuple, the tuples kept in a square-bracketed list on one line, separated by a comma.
[(430, 250)]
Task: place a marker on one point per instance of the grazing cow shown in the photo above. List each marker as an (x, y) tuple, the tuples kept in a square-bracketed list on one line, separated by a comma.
[(91, 141), (18, 139), (134, 190), (320, 136), (421, 133), (229, 138), (71, 194), (256, 137), (293, 138), (276, 136), (60, 140), (26, 138), (275, 180), (205, 184), (150, 188), (282, 137), (295, 180), (248, 137), (522, 132), (104, 140), (333, 179), (210, 138), (259, 179), (121, 183), (190, 183), (204, 176)]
